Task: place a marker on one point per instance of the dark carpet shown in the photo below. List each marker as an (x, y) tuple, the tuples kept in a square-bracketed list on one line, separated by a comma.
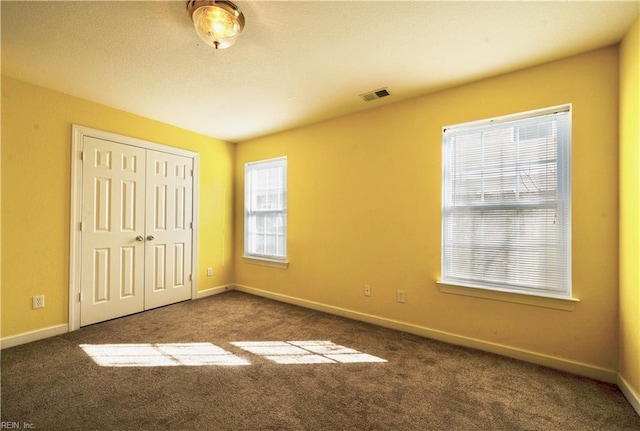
[(54, 384)]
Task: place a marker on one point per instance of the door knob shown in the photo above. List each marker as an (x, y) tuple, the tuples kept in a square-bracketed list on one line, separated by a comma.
[(149, 237), (139, 238)]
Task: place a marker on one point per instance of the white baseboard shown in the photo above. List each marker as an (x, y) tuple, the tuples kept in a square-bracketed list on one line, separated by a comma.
[(28, 337), (578, 368), (630, 394), (213, 291), (41, 334)]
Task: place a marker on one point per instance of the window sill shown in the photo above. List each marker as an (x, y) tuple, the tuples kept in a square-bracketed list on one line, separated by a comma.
[(565, 304), (282, 264)]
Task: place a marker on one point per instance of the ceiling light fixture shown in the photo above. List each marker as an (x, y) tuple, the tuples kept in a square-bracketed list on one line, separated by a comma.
[(217, 22)]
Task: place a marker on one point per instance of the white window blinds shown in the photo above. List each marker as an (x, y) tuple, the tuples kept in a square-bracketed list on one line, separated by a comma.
[(266, 209), (507, 203)]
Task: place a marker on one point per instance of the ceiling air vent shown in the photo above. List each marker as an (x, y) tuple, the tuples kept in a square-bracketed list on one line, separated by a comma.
[(375, 94)]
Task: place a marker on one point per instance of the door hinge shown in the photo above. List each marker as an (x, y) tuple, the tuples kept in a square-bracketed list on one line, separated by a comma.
[(80, 297), (190, 277), (82, 156), (190, 225), (80, 226), (191, 172)]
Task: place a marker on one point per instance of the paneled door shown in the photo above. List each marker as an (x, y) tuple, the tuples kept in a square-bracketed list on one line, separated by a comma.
[(136, 229), (168, 221)]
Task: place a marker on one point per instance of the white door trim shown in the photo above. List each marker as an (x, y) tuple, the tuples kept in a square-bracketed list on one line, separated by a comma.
[(75, 244)]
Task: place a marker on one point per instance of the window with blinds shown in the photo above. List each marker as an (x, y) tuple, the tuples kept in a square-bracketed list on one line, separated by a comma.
[(506, 222), (265, 232)]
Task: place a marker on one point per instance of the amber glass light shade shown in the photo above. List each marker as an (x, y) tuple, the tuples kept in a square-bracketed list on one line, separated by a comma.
[(218, 23)]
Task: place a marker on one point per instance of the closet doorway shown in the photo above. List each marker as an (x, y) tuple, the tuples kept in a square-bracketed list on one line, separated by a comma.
[(133, 226)]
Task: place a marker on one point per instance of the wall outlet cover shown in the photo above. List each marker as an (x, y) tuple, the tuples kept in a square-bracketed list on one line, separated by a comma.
[(38, 301)]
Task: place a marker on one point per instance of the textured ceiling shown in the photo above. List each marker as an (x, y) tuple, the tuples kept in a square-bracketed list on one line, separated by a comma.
[(296, 62)]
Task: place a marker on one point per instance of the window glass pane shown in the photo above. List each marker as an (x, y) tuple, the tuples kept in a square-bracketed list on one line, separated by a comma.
[(266, 208), (506, 203)]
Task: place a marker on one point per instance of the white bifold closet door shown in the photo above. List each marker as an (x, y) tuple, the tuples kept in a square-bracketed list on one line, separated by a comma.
[(168, 219), (136, 229)]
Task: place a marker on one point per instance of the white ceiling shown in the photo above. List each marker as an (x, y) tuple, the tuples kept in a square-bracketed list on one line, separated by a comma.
[(296, 62)]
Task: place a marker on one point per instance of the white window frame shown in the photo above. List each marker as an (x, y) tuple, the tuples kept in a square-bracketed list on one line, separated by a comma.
[(454, 276), (279, 212)]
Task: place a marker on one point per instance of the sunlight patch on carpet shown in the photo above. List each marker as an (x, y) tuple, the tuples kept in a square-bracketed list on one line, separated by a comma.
[(305, 352), (161, 355)]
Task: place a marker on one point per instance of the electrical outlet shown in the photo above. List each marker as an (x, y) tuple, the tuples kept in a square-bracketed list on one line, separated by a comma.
[(401, 296), (38, 301), (209, 272), (367, 290)]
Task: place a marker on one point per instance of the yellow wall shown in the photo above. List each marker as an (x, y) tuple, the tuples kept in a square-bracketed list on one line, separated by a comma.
[(364, 204), (629, 367), (36, 184)]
